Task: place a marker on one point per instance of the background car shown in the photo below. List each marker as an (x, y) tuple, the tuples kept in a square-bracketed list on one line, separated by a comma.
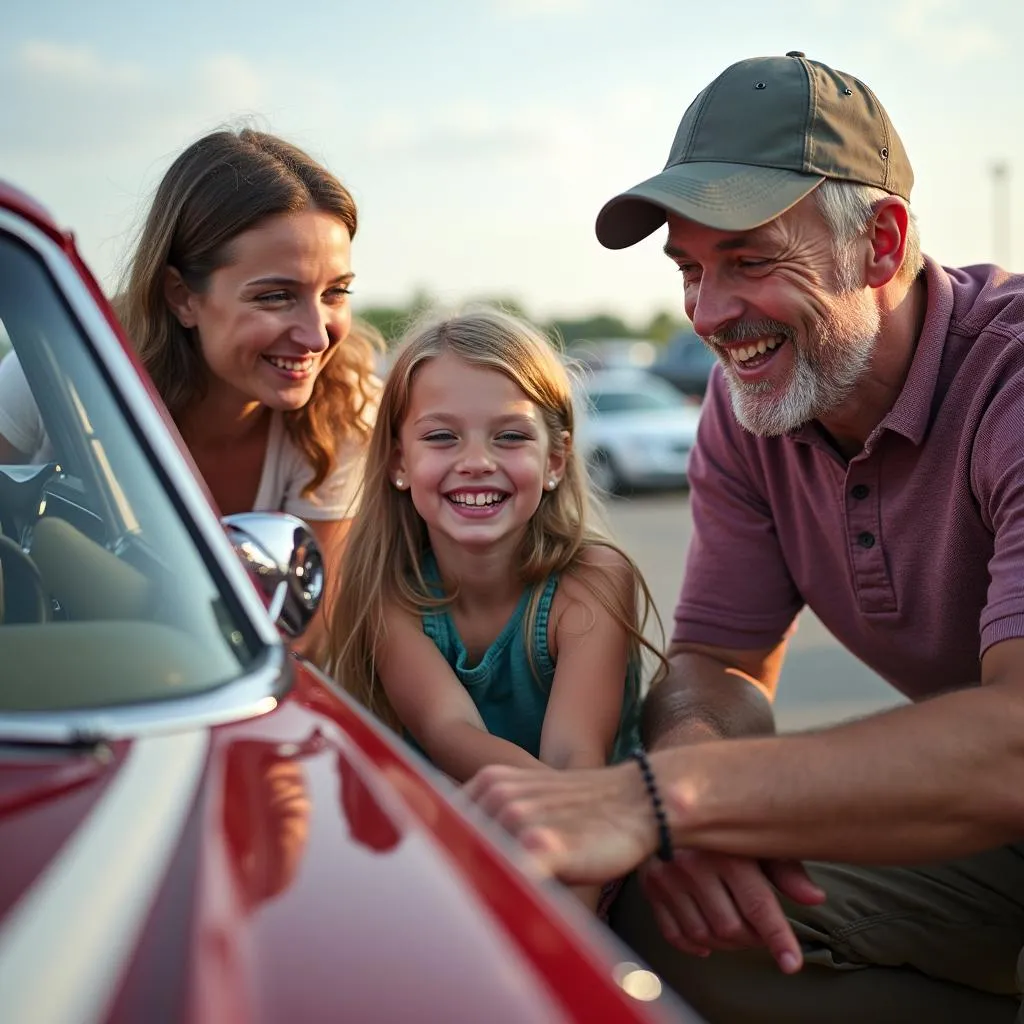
[(196, 825), (636, 430), (686, 363), (613, 353)]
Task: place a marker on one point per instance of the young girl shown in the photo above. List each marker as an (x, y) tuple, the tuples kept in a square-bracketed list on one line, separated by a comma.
[(483, 612)]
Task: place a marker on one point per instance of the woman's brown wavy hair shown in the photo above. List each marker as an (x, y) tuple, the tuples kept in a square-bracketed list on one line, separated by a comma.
[(382, 562), (224, 184)]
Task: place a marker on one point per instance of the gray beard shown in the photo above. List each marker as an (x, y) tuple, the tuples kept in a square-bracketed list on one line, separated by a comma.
[(823, 377)]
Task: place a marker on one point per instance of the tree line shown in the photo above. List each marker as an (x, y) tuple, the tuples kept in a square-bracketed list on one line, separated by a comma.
[(392, 321)]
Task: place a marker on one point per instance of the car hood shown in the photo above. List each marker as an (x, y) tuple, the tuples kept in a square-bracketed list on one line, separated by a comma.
[(295, 866)]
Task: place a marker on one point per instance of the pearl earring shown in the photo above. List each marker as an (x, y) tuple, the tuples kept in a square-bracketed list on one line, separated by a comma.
[(552, 483), (398, 482)]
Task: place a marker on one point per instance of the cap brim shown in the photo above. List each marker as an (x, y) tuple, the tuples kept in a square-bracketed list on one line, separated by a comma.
[(728, 197)]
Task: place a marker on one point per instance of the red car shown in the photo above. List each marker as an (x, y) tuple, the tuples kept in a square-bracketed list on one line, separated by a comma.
[(194, 824)]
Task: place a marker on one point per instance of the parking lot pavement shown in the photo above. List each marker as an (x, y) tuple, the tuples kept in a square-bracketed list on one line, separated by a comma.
[(820, 682)]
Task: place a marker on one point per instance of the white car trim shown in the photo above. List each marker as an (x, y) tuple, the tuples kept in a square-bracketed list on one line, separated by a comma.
[(68, 941)]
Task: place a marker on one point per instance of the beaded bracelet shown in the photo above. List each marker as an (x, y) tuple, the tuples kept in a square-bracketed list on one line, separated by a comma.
[(664, 836)]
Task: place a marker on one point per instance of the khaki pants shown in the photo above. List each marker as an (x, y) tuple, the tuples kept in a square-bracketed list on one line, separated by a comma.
[(935, 943)]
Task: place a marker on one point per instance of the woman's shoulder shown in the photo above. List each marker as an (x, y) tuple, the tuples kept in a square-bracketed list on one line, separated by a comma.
[(11, 373), (288, 471), (21, 423)]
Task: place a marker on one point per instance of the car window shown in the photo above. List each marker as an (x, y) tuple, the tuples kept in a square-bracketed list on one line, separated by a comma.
[(105, 596), (605, 402)]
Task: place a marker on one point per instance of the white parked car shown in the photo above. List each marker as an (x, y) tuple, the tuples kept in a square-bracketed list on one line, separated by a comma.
[(635, 431)]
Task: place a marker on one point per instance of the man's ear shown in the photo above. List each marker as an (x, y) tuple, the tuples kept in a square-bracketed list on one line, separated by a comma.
[(887, 236), (180, 301)]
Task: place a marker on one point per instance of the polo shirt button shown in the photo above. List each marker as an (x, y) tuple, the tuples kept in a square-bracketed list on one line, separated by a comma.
[(866, 539), (860, 491)]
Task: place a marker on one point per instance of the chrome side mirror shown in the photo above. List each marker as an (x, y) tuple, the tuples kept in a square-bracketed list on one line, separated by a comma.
[(284, 560)]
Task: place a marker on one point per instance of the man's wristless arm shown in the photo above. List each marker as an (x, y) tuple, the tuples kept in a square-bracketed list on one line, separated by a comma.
[(703, 699)]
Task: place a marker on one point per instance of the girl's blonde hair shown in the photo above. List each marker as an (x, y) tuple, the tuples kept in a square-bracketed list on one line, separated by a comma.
[(381, 567), (224, 184)]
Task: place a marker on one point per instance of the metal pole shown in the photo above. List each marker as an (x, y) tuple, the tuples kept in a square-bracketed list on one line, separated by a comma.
[(1001, 214)]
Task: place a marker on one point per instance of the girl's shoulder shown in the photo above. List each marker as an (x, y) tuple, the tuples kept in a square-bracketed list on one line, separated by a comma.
[(600, 560), (600, 574)]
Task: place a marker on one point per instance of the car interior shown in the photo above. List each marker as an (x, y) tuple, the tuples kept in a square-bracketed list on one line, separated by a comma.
[(105, 597)]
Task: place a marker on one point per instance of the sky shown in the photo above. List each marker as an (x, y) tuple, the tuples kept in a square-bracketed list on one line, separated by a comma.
[(481, 137)]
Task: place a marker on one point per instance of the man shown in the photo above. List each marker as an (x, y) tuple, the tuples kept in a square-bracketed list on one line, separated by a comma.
[(861, 452)]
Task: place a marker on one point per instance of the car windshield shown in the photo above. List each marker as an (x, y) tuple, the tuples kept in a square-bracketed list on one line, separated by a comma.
[(105, 596)]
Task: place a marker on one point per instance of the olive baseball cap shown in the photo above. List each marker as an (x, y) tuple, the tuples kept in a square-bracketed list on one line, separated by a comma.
[(764, 134)]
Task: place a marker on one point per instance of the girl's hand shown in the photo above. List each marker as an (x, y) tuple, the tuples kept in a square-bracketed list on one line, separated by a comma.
[(584, 827)]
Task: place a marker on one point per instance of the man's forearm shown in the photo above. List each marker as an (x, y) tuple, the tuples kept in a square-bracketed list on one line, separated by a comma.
[(701, 699), (925, 782)]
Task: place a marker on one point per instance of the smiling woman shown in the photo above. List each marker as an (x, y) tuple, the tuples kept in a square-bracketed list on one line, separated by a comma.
[(236, 300)]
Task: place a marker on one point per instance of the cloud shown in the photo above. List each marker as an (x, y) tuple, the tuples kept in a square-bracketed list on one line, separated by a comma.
[(57, 63), (76, 105), (231, 80), (538, 8), (946, 30), (459, 133), (79, 109), (91, 136)]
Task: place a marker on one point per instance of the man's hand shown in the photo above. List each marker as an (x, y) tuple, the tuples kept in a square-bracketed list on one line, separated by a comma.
[(584, 827), (708, 901)]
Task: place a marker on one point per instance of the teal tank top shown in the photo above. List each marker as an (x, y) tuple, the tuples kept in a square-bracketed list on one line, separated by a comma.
[(511, 699)]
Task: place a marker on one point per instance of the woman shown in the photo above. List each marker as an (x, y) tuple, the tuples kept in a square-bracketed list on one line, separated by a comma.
[(237, 302)]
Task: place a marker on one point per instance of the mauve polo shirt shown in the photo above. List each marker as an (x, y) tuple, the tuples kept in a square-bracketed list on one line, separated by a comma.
[(911, 553)]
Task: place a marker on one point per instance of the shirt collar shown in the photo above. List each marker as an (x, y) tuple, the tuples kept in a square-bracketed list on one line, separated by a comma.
[(912, 413)]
